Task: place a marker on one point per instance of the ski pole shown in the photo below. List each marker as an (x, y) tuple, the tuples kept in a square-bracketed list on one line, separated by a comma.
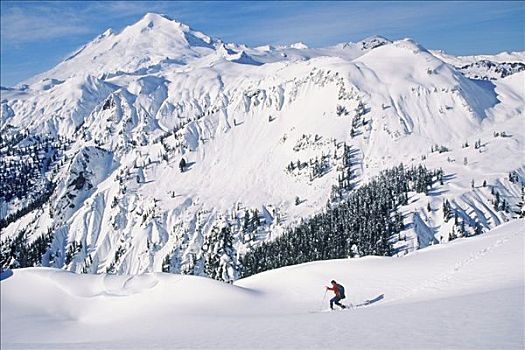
[(324, 296)]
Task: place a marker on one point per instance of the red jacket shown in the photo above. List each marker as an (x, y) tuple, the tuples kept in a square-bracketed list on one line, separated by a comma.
[(335, 288)]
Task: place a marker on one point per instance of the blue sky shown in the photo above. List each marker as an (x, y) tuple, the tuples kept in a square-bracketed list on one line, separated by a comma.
[(35, 36)]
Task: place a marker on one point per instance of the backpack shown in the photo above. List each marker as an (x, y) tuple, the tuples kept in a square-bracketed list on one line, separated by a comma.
[(341, 291)]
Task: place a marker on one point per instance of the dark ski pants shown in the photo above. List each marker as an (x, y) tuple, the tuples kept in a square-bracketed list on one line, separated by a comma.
[(336, 300)]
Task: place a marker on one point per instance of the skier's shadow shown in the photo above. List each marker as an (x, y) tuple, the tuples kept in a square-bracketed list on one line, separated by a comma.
[(372, 301), (188, 166)]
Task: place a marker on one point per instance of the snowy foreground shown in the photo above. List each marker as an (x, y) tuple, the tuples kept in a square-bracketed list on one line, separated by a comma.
[(465, 294)]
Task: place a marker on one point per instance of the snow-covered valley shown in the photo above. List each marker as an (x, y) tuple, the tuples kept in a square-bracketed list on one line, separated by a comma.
[(468, 294)]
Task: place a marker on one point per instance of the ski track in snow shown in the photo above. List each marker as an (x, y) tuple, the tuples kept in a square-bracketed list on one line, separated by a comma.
[(448, 276)]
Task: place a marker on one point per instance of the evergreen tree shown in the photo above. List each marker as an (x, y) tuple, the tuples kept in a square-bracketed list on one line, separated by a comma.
[(447, 210), (219, 257), (166, 264)]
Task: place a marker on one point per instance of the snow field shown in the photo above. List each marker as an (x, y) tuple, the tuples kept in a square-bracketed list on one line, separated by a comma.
[(466, 294)]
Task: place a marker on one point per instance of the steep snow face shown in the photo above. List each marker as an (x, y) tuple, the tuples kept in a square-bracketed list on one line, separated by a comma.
[(252, 124), (89, 167), (474, 285)]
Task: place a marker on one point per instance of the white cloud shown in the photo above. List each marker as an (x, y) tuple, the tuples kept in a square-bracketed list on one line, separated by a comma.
[(20, 26)]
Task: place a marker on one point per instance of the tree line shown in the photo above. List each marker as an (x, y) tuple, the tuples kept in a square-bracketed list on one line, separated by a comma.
[(365, 222)]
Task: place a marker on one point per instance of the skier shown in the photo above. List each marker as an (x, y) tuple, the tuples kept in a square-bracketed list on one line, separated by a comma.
[(182, 165), (339, 291)]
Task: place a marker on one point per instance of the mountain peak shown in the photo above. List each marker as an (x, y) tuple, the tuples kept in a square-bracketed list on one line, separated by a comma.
[(170, 28), (299, 45), (156, 18), (153, 20), (372, 42), (138, 46)]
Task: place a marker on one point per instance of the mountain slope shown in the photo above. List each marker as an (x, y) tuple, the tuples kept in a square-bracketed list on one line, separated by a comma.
[(263, 132)]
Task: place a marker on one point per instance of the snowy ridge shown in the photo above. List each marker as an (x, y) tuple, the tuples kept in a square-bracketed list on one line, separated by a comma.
[(485, 67), (489, 70), (467, 285), (134, 103), (462, 60)]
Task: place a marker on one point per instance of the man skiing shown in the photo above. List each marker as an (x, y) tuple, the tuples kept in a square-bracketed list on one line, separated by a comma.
[(339, 291), (182, 165)]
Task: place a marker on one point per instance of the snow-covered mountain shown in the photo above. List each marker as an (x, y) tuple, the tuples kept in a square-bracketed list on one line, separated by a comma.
[(264, 132)]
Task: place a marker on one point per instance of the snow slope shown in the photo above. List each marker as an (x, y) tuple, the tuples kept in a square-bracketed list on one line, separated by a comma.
[(134, 103), (464, 295)]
